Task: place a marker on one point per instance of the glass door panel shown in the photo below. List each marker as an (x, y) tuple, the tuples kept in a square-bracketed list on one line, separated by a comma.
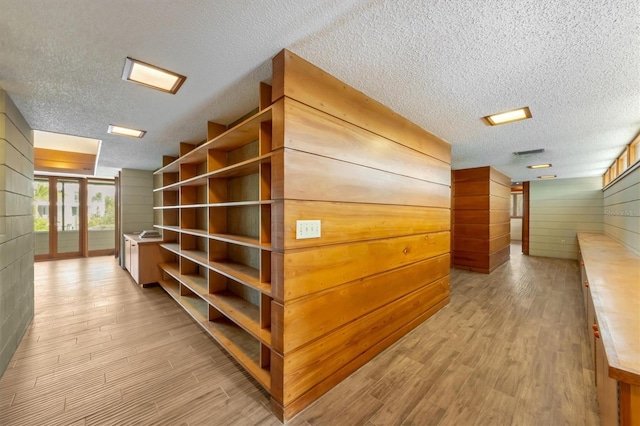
[(101, 211), (41, 219), (68, 216)]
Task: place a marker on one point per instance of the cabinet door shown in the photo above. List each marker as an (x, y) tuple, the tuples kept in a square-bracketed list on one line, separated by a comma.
[(127, 254), (585, 289), (591, 320), (135, 261), (607, 388)]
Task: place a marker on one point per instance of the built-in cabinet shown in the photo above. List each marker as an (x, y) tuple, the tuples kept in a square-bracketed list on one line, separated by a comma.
[(611, 293), (301, 314), (141, 257)]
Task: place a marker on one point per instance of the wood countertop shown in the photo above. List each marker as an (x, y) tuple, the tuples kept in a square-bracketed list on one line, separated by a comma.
[(137, 239), (613, 273)]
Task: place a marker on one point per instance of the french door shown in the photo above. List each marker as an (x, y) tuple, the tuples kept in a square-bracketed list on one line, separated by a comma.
[(73, 217)]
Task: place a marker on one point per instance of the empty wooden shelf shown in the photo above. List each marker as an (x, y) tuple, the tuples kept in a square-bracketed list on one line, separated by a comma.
[(302, 314)]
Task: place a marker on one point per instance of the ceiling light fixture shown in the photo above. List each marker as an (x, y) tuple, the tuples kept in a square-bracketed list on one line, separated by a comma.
[(152, 76), (126, 131), (508, 116), (547, 177), (539, 166)]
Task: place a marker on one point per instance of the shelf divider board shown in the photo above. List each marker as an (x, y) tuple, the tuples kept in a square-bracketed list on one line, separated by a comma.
[(172, 247), (186, 148), (214, 130), (243, 313), (241, 203), (265, 96), (232, 138), (241, 240), (244, 348), (243, 274), (171, 268), (171, 286)]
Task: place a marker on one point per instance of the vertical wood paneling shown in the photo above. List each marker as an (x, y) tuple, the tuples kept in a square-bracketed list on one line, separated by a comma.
[(559, 209), (481, 203), (622, 211)]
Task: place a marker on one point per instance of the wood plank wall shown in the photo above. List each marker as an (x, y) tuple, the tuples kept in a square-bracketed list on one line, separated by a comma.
[(481, 219), (381, 187), (622, 211), (560, 208)]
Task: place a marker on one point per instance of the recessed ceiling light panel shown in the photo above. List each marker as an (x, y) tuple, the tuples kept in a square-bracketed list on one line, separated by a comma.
[(126, 131), (152, 76), (508, 116), (547, 177), (539, 166)]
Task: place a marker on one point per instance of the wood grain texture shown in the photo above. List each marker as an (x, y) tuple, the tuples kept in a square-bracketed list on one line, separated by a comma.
[(309, 271), (481, 245), (311, 317), (481, 174), (52, 160), (300, 80), (483, 202), (613, 274), (481, 216), (366, 222), (313, 131), (464, 230), (302, 176)]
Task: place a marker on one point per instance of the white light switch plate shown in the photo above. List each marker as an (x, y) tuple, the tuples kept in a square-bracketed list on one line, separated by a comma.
[(307, 229)]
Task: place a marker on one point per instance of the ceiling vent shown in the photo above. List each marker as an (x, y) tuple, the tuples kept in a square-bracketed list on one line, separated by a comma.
[(533, 151)]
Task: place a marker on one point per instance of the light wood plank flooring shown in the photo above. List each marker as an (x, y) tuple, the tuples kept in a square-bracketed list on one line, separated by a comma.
[(510, 349)]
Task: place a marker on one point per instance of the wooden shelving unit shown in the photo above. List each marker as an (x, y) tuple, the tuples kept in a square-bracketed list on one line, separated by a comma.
[(300, 315), (216, 212)]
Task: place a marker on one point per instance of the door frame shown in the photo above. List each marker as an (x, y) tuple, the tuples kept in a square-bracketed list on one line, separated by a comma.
[(83, 231)]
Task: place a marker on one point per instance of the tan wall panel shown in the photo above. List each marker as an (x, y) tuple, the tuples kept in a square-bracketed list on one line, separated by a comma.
[(309, 271), (467, 259), (334, 350), (499, 190), (347, 222), (466, 175), (500, 203), (316, 132), (472, 216), (474, 245), (311, 317), (470, 202), (500, 216), (498, 258), (474, 187), (298, 79), (464, 230), (312, 177), (499, 243), (482, 245), (499, 177)]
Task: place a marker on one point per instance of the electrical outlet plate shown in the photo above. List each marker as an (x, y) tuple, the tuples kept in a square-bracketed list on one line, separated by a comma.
[(307, 229)]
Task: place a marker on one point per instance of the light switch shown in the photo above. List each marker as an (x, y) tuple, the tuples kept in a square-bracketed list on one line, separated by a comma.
[(307, 229)]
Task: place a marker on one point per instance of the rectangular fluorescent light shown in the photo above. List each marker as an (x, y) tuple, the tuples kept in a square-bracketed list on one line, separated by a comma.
[(547, 177), (125, 131), (539, 166), (152, 76), (508, 116)]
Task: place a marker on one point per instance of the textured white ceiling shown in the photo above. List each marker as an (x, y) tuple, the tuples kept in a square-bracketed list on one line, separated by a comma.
[(443, 64)]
